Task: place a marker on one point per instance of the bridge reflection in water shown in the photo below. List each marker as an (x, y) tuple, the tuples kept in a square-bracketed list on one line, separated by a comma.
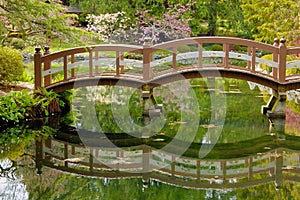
[(273, 165)]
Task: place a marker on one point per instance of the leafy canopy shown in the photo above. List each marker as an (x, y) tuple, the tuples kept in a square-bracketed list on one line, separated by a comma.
[(33, 20), (270, 19)]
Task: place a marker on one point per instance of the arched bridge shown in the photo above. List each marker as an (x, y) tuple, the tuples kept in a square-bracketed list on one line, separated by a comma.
[(154, 65)]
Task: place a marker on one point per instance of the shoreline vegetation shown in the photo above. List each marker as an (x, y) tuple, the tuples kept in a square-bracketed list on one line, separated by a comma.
[(20, 106)]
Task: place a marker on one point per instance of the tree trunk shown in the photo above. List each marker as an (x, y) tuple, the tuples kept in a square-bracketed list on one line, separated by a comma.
[(212, 21)]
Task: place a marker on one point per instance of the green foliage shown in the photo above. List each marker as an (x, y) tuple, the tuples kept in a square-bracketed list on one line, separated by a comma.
[(216, 47), (239, 48), (205, 15), (35, 22), (15, 139), (183, 49), (19, 105), (271, 19), (11, 65), (17, 43)]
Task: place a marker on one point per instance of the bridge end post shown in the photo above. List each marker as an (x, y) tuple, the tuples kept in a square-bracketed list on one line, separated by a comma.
[(47, 66), (276, 107), (37, 68), (282, 60)]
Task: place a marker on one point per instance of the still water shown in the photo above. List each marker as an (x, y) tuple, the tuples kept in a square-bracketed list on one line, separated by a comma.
[(197, 139)]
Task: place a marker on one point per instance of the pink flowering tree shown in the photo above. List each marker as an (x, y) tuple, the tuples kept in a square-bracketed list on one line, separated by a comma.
[(173, 24), (119, 28)]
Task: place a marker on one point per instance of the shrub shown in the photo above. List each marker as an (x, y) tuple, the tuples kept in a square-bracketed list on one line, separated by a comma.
[(20, 105), (11, 65), (240, 48), (183, 49), (217, 47), (17, 43)]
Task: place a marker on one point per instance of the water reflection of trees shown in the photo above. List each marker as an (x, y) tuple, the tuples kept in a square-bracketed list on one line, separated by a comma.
[(243, 113)]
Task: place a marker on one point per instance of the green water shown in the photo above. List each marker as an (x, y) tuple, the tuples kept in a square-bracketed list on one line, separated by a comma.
[(209, 141)]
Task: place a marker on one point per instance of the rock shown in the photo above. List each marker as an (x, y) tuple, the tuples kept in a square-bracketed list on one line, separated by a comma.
[(2, 93)]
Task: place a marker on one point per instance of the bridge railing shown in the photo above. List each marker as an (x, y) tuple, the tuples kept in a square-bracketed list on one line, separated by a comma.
[(233, 173), (62, 66), (151, 61)]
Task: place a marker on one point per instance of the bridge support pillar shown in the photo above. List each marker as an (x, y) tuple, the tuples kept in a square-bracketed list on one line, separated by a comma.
[(150, 107), (275, 107), (148, 99), (276, 112)]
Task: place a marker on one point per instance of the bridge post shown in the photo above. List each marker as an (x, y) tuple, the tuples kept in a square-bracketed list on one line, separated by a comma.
[(47, 79), (276, 108), (282, 60), (37, 68), (147, 58)]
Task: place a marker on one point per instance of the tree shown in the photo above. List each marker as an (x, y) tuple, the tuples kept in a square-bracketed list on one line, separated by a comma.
[(173, 24), (269, 19), (97, 7), (27, 18), (206, 17)]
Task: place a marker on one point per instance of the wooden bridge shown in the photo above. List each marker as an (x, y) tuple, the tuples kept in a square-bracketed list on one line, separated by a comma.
[(154, 65)]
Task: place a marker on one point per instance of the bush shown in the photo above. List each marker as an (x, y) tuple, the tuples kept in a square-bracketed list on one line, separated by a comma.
[(239, 48), (21, 105), (17, 43), (217, 47), (183, 49), (11, 65)]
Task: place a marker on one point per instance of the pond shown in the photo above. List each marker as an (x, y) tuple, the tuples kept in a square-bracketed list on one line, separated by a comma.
[(192, 139)]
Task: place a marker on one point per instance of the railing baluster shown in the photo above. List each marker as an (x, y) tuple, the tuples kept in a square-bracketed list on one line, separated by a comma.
[(90, 63), (117, 63), (65, 68), (174, 55), (253, 60), (66, 154), (200, 53), (96, 58), (250, 168), (173, 165), (249, 54), (72, 70), (226, 59), (198, 170), (122, 66), (91, 160), (224, 169), (73, 150)]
